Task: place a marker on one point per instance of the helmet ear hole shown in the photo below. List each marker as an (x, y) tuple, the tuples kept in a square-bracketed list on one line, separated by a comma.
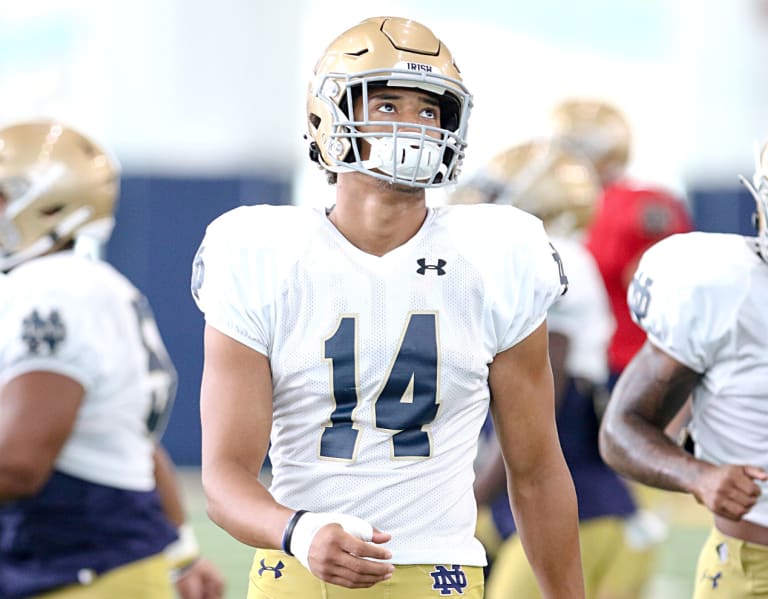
[(449, 112), (314, 152)]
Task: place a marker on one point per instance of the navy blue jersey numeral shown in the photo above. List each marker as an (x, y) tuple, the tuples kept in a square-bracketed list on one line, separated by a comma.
[(340, 438), (162, 375), (407, 401)]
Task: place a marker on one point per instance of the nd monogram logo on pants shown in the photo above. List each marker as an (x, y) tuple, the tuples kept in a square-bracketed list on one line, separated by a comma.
[(446, 581)]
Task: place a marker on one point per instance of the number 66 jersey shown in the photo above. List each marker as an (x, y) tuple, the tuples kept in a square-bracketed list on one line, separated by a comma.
[(380, 363)]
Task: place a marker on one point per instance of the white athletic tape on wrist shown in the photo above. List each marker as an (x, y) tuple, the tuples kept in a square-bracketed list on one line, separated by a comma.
[(307, 526), (184, 550)]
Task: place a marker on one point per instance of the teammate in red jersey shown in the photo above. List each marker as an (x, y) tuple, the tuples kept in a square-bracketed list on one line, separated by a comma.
[(631, 216)]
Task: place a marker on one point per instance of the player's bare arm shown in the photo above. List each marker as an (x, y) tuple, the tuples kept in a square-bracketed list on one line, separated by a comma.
[(196, 577), (540, 487), (650, 392), (490, 479), (37, 415), (236, 412)]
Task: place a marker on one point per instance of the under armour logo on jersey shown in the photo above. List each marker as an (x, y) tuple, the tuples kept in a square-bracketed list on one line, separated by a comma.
[(274, 569), (424, 267), (715, 580), (43, 335), (446, 581), (640, 296)]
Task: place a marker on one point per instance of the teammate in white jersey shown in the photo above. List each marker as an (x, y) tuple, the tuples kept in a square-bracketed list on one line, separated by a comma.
[(701, 298), (364, 342), (86, 387)]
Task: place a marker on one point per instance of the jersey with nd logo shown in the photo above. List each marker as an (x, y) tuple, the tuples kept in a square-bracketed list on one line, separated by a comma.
[(80, 318), (77, 317), (380, 364), (702, 298)]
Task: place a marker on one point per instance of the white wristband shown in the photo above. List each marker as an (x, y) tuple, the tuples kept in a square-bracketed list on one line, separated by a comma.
[(184, 550), (307, 526)]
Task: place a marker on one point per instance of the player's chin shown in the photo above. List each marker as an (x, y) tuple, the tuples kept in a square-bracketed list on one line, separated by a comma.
[(403, 188)]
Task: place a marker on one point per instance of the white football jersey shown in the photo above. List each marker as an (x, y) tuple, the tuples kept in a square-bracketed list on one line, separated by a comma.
[(80, 318), (583, 314), (380, 364), (703, 299)]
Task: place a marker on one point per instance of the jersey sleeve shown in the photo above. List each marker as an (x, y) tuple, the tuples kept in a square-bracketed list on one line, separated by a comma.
[(534, 277), (685, 308), (47, 329), (230, 281)]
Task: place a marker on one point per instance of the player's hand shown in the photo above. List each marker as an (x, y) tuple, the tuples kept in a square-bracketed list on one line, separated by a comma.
[(201, 580), (729, 491), (338, 557)]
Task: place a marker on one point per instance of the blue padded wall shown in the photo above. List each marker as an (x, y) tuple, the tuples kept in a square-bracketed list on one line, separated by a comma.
[(723, 209), (160, 223)]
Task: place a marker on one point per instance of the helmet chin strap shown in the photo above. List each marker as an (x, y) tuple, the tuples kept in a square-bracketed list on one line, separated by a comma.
[(405, 159), (91, 239), (40, 247)]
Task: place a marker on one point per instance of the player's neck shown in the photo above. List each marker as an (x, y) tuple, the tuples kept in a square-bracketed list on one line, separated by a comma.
[(375, 216)]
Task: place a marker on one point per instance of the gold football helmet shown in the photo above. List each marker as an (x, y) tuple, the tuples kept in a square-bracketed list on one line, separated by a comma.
[(597, 129), (759, 190), (55, 185), (397, 52), (542, 178)]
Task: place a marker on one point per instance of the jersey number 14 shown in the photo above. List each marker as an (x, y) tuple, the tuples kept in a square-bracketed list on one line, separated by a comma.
[(405, 403)]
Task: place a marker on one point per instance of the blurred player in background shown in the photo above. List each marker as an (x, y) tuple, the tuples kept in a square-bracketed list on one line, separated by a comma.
[(561, 187), (86, 388), (366, 340), (631, 215), (701, 298)]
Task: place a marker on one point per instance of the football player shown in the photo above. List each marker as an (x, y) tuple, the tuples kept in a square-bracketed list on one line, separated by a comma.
[(701, 298), (561, 187), (86, 388), (631, 216), (365, 340)]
